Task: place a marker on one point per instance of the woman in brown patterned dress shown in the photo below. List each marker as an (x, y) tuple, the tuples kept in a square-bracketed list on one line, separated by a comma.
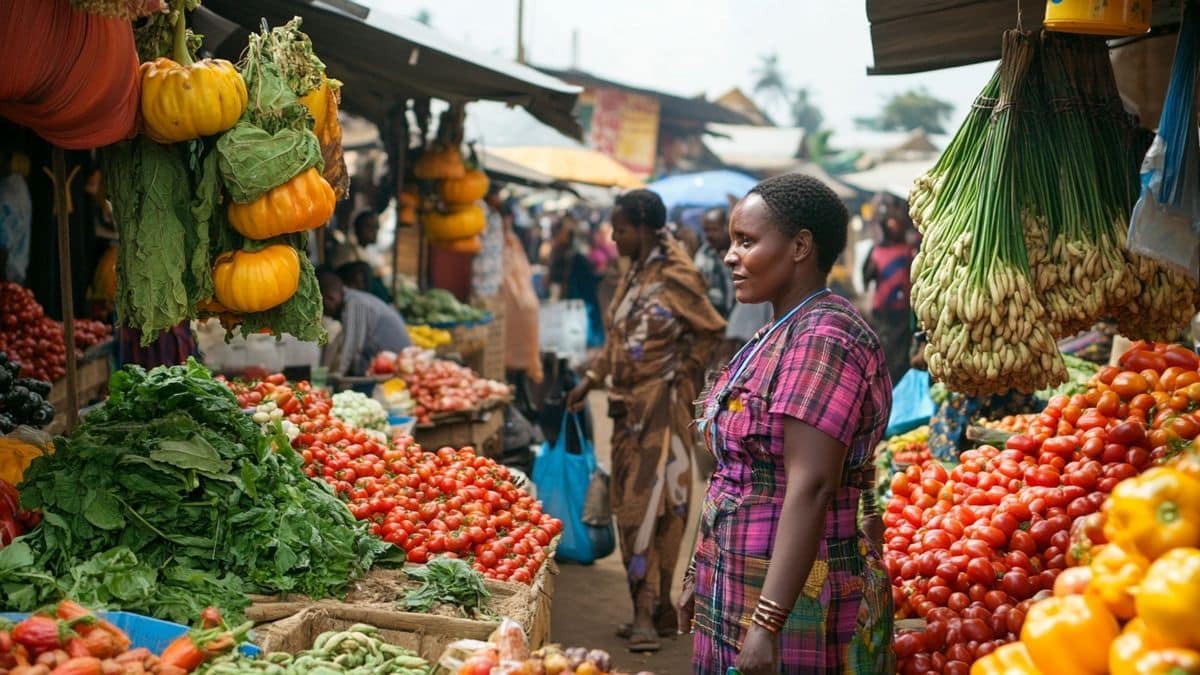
[(662, 333)]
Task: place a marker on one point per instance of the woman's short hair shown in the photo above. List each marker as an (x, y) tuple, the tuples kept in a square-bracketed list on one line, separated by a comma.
[(801, 202)]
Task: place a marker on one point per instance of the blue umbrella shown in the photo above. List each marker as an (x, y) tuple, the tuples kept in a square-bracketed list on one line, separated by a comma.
[(703, 189)]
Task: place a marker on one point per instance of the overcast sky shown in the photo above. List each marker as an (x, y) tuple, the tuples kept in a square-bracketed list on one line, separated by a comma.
[(689, 47)]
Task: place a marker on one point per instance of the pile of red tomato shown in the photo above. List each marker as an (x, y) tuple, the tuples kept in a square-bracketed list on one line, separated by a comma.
[(450, 502), (439, 386), (969, 549), (36, 341)]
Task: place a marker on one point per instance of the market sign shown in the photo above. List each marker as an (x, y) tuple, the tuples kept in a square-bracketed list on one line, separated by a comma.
[(622, 125)]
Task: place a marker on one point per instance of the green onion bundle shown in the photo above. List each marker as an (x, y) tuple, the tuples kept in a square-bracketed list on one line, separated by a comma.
[(1025, 218)]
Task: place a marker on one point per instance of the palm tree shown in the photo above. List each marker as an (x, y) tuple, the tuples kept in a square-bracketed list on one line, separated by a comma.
[(805, 113), (770, 81)]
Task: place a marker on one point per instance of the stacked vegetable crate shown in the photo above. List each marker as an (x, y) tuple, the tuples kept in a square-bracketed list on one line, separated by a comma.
[(290, 623)]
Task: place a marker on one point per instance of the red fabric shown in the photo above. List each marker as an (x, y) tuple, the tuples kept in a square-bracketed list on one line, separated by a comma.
[(70, 76)]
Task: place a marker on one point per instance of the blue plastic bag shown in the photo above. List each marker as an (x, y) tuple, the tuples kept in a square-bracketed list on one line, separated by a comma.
[(912, 405), (562, 480)]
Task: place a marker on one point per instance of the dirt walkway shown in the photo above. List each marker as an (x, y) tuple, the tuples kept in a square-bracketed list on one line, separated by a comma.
[(591, 601)]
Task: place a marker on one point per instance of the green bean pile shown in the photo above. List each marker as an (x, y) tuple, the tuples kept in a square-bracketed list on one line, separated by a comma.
[(355, 651)]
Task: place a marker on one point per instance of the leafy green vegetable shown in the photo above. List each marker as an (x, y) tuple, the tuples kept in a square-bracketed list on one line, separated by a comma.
[(253, 161), (447, 581), (169, 498), (435, 306), (149, 188)]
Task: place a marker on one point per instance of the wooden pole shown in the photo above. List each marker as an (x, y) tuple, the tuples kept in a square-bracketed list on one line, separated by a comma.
[(399, 153), (62, 213)]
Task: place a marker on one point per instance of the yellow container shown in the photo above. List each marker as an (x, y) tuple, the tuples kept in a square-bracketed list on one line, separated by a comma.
[(1098, 17)]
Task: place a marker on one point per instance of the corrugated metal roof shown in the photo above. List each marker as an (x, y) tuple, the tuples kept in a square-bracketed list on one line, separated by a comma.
[(912, 36), (384, 59)]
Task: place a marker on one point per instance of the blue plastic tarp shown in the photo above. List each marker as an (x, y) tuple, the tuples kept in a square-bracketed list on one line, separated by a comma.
[(703, 189)]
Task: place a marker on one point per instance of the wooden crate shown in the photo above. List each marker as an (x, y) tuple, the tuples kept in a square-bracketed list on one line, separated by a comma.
[(291, 623), (476, 433), (92, 384)]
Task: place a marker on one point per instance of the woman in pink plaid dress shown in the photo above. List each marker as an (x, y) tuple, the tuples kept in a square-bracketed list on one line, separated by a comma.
[(783, 578)]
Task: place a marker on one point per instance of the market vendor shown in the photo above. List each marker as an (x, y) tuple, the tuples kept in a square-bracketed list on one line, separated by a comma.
[(785, 579), (369, 325)]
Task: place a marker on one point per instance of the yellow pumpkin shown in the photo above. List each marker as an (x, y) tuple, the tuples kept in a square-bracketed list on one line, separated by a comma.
[(470, 245), (440, 164), (466, 190), (301, 204), (459, 223), (104, 281), (317, 102), (255, 281), (181, 102)]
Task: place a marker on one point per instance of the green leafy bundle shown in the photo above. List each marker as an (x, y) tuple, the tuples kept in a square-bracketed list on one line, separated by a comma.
[(448, 581), (169, 498)]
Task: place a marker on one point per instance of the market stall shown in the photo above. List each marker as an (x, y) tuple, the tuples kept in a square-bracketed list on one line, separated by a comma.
[(182, 493), (1026, 526)]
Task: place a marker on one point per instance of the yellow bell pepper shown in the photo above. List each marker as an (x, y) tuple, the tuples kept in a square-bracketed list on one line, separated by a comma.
[(1069, 635), (1010, 659), (15, 457), (1154, 512), (1116, 572), (1170, 661), (1134, 642), (1170, 595)]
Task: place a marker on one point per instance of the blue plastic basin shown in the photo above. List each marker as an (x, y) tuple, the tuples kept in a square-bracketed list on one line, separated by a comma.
[(143, 631)]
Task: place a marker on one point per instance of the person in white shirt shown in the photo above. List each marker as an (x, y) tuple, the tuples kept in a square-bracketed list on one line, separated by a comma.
[(369, 325)]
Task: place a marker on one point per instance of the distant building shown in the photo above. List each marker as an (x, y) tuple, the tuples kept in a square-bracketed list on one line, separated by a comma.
[(736, 100)]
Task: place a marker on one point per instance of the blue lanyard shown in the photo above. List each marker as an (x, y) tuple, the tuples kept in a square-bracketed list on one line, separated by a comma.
[(744, 363), (708, 423)]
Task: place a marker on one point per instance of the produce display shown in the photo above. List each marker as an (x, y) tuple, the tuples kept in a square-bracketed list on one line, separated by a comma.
[(428, 337), (434, 307), (508, 654), (1031, 201), (70, 640), (450, 502), (169, 499), (1015, 424), (911, 447), (359, 650), (968, 549), (36, 341), (213, 202), (22, 399), (359, 410), (1132, 608), (439, 386), (89, 333)]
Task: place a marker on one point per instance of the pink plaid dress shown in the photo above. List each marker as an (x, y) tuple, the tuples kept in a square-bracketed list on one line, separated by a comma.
[(824, 367)]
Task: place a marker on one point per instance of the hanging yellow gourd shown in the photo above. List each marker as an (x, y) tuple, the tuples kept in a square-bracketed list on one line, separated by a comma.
[(466, 190), (255, 281), (472, 245), (459, 223), (440, 163), (104, 281), (184, 99), (317, 102), (408, 200), (301, 204)]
